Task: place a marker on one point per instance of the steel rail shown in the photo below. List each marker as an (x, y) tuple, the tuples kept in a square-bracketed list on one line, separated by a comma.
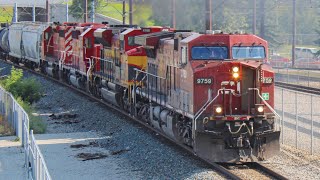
[(304, 89), (267, 170)]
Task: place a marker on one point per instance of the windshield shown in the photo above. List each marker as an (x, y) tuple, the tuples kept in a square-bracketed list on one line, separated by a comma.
[(248, 52), (209, 52)]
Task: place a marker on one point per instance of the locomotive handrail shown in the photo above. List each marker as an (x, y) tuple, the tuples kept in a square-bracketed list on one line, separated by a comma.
[(149, 73), (204, 107), (265, 102)]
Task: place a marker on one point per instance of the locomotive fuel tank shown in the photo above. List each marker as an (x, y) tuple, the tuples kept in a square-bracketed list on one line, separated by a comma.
[(77, 81), (50, 71), (111, 92)]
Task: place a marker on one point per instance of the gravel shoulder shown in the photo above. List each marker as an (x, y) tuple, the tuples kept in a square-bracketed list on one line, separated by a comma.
[(295, 164)]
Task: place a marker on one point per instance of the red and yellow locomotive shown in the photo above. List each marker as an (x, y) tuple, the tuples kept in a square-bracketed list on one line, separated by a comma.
[(210, 92)]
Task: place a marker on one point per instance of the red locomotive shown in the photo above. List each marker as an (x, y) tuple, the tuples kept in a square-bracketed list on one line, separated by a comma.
[(210, 92)]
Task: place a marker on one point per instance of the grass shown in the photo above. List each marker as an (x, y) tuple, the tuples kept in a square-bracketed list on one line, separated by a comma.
[(35, 122), (111, 9), (5, 128), (6, 14), (114, 10)]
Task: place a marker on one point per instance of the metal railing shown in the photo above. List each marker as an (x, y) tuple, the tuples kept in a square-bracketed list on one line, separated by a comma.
[(19, 121), (300, 119), (38, 169)]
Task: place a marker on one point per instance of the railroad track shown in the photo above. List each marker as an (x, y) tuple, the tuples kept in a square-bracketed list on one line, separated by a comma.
[(253, 171), (299, 88), (221, 168)]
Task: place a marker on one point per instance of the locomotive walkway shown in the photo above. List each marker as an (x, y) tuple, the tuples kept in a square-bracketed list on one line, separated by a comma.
[(11, 159)]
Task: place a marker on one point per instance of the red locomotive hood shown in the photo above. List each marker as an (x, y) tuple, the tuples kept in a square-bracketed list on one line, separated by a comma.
[(227, 65)]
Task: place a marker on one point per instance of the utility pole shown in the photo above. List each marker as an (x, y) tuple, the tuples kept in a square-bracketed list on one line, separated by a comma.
[(262, 26), (67, 12), (85, 9), (208, 14), (173, 14), (254, 21), (47, 11), (15, 11), (123, 12), (130, 12), (294, 31), (34, 13), (92, 11)]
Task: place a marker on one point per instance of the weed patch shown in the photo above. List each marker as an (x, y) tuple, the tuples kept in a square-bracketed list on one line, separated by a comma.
[(26, 91)]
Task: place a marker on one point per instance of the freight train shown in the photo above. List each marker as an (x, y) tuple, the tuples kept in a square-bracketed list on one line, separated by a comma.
[(211, 92)]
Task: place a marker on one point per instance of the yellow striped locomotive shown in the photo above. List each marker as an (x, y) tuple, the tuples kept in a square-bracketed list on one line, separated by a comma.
[(211, 92)]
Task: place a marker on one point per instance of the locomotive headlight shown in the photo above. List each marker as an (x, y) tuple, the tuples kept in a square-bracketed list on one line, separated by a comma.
[(235, 75), (218, 110), (259, 109), (235, 69)]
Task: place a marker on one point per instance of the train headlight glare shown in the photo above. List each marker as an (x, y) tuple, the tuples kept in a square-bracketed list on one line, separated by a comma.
[(235, 75), (218, 110), (260, 109), (235, 69)]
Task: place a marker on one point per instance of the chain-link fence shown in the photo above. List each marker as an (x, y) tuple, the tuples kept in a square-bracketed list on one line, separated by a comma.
[(300, 119), (18, 120), (309, 78)]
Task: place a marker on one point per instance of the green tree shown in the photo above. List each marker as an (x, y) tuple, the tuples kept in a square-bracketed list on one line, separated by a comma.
[(77, 7), (27, 89)]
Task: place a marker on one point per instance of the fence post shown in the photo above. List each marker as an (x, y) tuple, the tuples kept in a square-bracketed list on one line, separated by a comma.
[(296, 107), (311, 125), (287, 75), (298, 77), (308, 79), (282, 104)]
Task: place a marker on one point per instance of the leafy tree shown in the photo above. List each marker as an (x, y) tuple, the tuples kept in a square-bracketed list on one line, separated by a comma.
[(13, 78), (77, 7), (26, 89)]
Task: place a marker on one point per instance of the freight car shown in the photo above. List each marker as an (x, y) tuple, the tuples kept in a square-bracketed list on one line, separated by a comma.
[(211, 92), (4, 43)]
